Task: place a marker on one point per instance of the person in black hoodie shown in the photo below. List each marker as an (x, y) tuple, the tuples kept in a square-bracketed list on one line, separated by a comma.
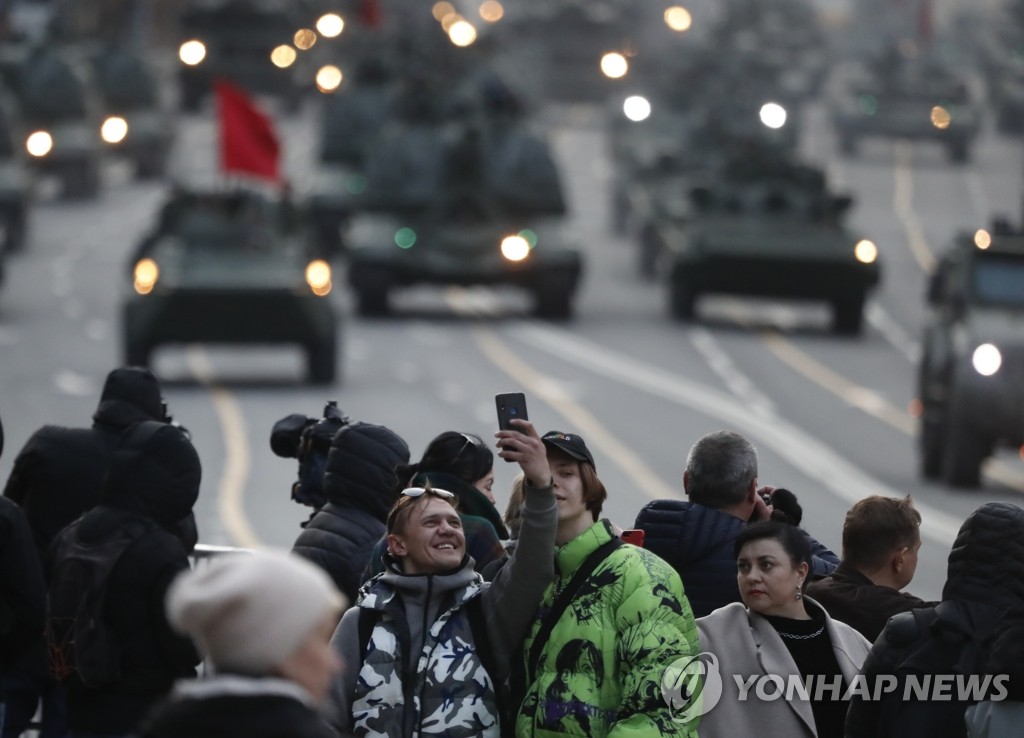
[(359, 482), (56, 477), (984, 583), (462, 464), (153, 482), (22, 590)]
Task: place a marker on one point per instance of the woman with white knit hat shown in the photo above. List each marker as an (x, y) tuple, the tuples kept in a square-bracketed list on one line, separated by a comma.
[(263, 621)]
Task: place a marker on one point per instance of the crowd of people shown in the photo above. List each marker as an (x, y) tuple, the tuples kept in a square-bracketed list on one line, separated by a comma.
[(409, 605)]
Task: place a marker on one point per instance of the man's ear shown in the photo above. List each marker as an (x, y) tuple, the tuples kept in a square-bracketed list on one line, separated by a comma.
[(896, 562), (396, 546), (686, 481), (752, 491)]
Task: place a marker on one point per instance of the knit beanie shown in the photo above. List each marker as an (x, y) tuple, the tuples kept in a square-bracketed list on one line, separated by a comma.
[(248, 613)]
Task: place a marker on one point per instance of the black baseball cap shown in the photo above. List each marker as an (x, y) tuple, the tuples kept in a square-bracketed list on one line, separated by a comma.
[(571, 444)]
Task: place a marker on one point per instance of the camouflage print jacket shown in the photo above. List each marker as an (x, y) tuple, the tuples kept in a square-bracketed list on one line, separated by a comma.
[(420, 672), (601, 671)]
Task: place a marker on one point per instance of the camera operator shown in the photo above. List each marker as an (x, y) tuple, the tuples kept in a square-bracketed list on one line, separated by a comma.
[(355, 491)]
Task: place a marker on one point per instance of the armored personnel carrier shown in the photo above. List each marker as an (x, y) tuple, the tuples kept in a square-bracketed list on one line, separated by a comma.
[(768, 226), (971, 375)]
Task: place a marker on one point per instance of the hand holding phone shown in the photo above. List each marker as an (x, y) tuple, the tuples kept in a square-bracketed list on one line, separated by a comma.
[(510, 406)]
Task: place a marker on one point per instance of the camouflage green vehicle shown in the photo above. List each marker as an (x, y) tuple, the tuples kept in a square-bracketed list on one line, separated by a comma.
[(768, 228), (914, 98), (16, 184), (230, 268), (462, 206), (971, 374)]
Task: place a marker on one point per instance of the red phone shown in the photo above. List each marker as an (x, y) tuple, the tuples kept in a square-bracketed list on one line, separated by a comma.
[(634, 536)]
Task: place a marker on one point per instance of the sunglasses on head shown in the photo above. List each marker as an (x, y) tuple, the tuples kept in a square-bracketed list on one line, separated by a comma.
[(420, 491), (470, 441)]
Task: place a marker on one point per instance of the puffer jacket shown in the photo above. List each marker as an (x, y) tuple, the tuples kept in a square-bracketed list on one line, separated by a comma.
[(600, 672), (359, 483), (984, 582), (697, 542), (154, 478)]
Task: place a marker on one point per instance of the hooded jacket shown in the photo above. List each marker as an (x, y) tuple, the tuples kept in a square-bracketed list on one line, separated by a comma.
[(154, 479), (59, 473), (984, 582), (359, 482), (421, 672), (697, 542), (600, 671), (22, 589)]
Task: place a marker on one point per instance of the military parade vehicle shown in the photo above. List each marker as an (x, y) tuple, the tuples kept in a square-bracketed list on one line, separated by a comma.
[(971, 373)]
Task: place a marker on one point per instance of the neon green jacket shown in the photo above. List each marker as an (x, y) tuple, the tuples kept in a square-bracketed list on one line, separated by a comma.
[(601, 671)]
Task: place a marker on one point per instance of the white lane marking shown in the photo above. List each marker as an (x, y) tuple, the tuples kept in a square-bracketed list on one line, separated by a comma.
[(237, 459), (836, 474), (903, 205), (721, 363), (892, 332)]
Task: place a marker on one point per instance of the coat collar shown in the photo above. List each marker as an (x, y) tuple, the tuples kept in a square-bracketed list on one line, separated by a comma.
[(569, 556)]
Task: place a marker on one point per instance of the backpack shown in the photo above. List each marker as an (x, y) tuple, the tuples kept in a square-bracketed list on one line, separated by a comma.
[(79, 640)]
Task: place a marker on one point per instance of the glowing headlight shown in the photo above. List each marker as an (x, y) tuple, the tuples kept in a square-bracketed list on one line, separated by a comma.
[(941, 117), (330, 25), (283, 56), (318, 277), (773, 115), (192, 52), (982, 239), (462, 33), (304, 39), (515, 248), (865, 251), (114, 129), (614, 65), (637, 108), (39, 143), (328, 78), (678, 18), (146, 275), (987, 360), (492, 11)]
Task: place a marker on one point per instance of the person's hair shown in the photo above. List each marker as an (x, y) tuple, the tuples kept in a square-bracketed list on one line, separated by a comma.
[(594, 492), (514, 510), (793, 542), (719, 469), (463, 455), (876, 527), (398, 517)]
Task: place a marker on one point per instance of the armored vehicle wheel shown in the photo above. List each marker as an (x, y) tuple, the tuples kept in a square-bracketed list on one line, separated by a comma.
[(848, 315), (16, 230), (682, 300), (647, 258), (151, 163), (322, 362), (136, 354), (932, 436), (553, 295), (964, 452), (959, 151)]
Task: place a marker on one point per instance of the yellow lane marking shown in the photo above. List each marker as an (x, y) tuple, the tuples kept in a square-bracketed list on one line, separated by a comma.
[(237, 459), (903, 204), (579, 419)]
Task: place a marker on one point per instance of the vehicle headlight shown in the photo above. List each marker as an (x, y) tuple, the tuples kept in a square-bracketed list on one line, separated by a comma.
[(146, 274), (330, 25), (773, 115), (328, 78), (865, 251), (318, 277), (515, 248), (614, 65), (636, 108), (283, 56), (941, 117), (39, 143), (114, 129), (192, 52), (986, 359)]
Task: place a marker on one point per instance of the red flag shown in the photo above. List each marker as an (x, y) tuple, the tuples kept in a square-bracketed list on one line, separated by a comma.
[(248, 143), (369, 13)]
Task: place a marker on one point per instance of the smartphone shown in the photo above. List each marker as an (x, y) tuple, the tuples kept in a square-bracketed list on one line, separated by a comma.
[(634, 536), (510, 406)]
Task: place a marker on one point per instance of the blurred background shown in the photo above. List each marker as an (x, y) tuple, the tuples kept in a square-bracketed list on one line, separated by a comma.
[(656, 219)]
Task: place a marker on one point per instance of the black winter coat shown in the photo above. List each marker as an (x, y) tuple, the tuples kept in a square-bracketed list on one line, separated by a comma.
[(339, 539), (236, 707), (697, 542), (984, 582), (22, 589)]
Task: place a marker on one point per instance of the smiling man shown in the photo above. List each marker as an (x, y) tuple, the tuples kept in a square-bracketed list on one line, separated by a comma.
[(427, 649)]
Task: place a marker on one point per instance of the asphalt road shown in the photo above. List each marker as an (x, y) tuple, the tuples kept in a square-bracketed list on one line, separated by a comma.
[(828, 415)]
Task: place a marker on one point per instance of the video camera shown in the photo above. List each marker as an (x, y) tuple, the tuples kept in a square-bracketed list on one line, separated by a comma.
[(308, 440)]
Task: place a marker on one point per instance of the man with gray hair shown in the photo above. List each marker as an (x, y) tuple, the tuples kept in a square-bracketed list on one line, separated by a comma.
[(696, 536)]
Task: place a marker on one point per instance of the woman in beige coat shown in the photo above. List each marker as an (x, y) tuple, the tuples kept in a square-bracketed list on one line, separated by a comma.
[(785, 666)]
